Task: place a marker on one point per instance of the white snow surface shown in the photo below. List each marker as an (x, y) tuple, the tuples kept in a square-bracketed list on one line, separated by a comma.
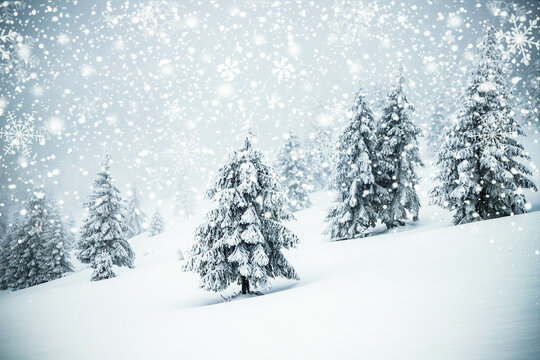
[(429, 291)]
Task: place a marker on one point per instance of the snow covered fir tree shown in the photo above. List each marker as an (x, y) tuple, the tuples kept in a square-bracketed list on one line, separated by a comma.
[(480, 176), (398, 156), (135, 216), (242, 238), (331, 236), (34, 251), (435, 132), (156, 224), (184, 199), (359, 198), (59, 240), (319, 155), (104, 229), (294, 174)]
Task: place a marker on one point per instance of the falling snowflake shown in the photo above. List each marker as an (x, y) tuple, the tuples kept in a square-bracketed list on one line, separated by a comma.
[(519, 39), (84, 110), (174, 111), (19, 135), (9, 9), (16, 56), (158, 18), (282, 69), (503, 9), (350, 20), (183, 150), (229, 69)]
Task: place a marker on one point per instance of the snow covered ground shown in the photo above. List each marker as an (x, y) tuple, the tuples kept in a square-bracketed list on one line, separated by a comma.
[(430, 291)]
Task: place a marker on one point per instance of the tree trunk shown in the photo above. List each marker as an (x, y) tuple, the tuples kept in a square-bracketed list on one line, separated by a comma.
[(245, 285)]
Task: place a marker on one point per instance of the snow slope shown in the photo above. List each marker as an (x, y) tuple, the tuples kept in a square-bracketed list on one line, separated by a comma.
[(426, 292)]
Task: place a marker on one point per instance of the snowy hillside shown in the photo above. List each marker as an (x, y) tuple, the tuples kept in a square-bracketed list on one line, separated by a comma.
[(464, 292)]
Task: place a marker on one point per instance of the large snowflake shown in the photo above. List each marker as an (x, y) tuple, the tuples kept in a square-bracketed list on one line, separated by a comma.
[(519, 39), (19, 134), (16, 56), (351, 19), (9, 9), (282, 69), (174, 111), (503, 9), (183, 150)]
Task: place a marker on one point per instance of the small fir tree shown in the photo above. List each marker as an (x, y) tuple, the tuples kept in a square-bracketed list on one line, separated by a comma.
[(184, 200), (102, 265), (71, 230), (291, 164), (135, 216), (242, 239), (435, 133), (57, 246), (479, 174), (156, 225), (319, 155), (104, 229), (398, 155), (27, 248), (354, 212)]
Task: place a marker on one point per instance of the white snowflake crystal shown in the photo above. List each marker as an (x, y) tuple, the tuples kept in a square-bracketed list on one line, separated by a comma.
[(350, 19), (229, 69), (16, 56), (9, 9), (282, 69), (174, 111), (19, 134), (519, 40), (503, 9)]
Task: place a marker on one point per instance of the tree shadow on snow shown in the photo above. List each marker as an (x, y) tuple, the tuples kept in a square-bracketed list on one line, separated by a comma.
[(232, 295)]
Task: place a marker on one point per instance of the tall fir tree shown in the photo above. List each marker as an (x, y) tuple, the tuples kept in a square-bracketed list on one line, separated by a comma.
[(156, 224), (292, 167), (104, 229), (480, 176), (398, 155), (58, 239), (319, 155), (26, 260), (135, 216), (354, 212), (71, 230), (435, 132), (242, 239)]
